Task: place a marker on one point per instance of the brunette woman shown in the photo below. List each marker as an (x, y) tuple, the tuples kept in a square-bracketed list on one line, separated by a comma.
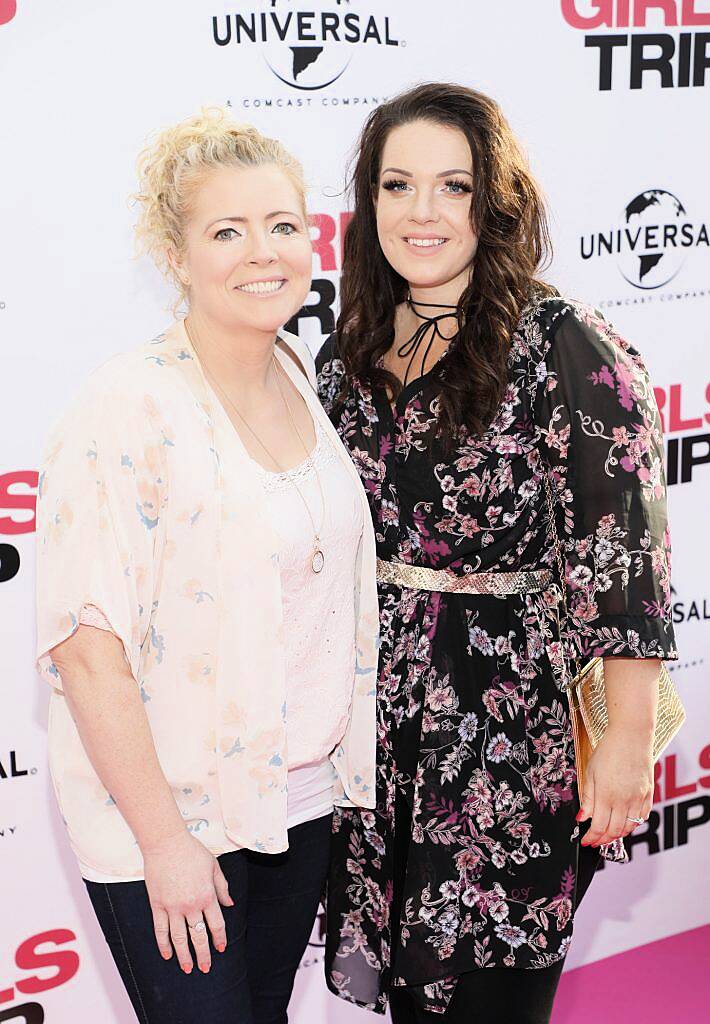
[(473, 398)]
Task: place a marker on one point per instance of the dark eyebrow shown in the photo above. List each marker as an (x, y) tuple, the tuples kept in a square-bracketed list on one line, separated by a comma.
[(456, 170), (443, 174), (243, 220)]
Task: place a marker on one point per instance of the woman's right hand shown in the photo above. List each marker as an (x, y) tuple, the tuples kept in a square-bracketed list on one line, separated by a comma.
[(186, 886)]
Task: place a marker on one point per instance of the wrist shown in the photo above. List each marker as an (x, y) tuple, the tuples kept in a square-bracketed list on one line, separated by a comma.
[(161, 841), (632, 694), (637, 716), (637, 730)]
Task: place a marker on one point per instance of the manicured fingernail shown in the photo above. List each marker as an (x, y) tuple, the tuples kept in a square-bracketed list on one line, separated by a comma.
[(187, 970), (221, 948), (205, 968)]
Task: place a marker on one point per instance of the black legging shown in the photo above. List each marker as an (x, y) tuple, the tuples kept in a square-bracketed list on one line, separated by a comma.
[(498, 995), (491, 995)]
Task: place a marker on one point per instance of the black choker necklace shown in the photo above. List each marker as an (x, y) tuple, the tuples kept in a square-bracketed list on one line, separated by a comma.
[(412, 345)]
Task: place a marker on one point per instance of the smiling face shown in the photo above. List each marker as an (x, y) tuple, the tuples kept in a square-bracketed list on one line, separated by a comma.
[(247, 250), (423, 204)]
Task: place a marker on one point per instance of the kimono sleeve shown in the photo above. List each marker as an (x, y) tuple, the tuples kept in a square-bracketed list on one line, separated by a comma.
[(100, 518), (330, 372), (601, 435)]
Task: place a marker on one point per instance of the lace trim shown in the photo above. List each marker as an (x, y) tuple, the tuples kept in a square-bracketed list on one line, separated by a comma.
[(321, 455)]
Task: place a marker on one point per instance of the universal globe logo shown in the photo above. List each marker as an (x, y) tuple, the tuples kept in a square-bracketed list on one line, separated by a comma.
[(307, 46), (650, 242)]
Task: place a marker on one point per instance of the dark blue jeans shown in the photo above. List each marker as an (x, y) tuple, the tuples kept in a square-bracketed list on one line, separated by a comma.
[(275, 904)]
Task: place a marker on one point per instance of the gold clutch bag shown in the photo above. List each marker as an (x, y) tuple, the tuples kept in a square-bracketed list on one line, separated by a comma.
[(587, 693), (590, 717)]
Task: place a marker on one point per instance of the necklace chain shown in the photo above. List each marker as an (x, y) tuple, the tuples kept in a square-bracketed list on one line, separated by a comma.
[(316, 532), (318, 559)]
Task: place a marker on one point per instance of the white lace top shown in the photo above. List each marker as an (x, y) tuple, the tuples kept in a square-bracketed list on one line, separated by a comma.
[(318, 608)]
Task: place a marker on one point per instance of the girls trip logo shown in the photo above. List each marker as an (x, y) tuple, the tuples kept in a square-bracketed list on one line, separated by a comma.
[(18, 507), (681, 804), (39, 954), (327, 236), (8, 10), (687, 441), (635, 59)]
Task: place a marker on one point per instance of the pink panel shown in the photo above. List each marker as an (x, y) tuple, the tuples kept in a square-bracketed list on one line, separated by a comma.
[(662, 983)]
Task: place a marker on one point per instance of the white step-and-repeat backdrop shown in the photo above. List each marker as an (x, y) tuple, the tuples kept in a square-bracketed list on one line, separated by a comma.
[(611, 99)]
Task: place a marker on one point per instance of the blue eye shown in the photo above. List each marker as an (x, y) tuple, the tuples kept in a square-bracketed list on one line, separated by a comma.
[(395, 185), (459, 188), (290, 229), (226, 235)]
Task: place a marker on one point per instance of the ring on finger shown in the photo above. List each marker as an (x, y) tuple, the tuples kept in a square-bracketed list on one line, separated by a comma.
[(199, 926), (636, 821)]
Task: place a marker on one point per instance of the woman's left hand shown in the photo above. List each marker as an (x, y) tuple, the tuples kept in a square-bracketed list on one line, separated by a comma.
[(618, 785)]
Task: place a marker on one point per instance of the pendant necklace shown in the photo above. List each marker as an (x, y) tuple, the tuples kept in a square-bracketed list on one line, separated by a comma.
[(318, 557)]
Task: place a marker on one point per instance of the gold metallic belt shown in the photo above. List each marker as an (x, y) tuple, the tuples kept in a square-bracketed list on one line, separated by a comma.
[(444, 581)]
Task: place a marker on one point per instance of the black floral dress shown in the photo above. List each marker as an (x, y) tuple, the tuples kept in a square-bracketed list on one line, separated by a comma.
[(475, 761)]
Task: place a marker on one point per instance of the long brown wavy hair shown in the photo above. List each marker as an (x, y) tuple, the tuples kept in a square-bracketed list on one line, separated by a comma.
[(509, 216)]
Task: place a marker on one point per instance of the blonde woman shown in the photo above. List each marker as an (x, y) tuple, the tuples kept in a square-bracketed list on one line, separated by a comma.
[(207, 612)]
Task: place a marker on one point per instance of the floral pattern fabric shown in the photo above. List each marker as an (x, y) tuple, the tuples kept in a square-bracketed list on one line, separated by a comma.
[(152, 513), (475, 756)]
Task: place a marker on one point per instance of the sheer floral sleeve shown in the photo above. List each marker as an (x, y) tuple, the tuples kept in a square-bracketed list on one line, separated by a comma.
[(330, 372), (601, 435)]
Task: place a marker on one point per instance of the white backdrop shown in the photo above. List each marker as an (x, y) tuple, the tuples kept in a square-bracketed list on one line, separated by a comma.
[(617, 133)]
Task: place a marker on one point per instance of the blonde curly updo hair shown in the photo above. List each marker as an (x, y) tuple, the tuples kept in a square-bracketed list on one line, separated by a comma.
[(171, 168)]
